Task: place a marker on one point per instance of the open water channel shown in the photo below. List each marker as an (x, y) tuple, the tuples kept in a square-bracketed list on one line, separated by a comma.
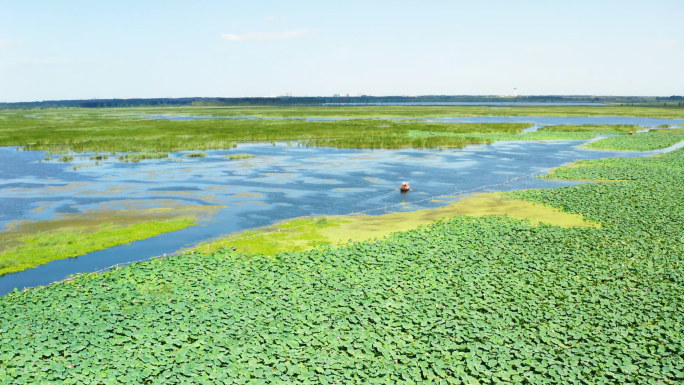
[(281, 181)]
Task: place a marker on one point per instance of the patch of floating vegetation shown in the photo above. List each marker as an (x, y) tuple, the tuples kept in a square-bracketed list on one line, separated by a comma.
[(137, 157), (47, 190), (39, 208), (195, 155), (159, 205), (305, 233), (26, 244), (66, 158), (247, 194), (239, 156), (79, 166)]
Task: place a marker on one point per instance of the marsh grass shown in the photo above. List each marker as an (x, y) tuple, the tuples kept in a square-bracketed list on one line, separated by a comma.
[(28, 244), (401, 111), (239, 156), (119, 130), (137, 157), (44, 247), (78, 132), (593, 128), (560, 132), (195, 155)]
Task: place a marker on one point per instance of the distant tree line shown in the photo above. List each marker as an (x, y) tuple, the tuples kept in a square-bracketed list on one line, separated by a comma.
[(333, 100)]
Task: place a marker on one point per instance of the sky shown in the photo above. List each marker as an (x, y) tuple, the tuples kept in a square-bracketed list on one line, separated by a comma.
[(52, 50)]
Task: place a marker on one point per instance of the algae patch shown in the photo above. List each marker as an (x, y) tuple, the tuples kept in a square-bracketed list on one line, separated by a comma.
[(487, 204), (26, 244), (306, 233), (291, 235)]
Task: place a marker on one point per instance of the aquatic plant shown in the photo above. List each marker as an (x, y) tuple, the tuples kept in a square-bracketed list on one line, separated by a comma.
[(594, 128), (645, 141), (84, 132), (466, 300), (28, 244), (195, 155), (79, 166), (239, 156), (65, 158), (137, 157), (306, 233), (134, 130)]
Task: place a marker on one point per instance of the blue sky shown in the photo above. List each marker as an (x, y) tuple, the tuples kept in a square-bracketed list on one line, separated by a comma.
[(118, 49)]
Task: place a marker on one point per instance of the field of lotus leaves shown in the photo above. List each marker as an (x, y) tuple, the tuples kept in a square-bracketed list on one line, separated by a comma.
[(464, 301), (640, 142)]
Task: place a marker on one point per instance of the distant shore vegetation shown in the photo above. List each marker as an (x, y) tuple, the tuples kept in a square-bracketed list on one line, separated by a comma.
[(138, 133)]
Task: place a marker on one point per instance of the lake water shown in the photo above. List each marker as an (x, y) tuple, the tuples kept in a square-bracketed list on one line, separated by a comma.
[(281, 181)]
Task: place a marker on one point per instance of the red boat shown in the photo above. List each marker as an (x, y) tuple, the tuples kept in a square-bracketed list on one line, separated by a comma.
[(404, 187)]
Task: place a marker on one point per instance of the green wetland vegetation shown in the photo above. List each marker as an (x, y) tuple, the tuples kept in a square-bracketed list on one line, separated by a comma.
[(239, 156), (143, 138), (195, 155), (28, 244), (307, 233), (134, 130), (645, 141), (137, 157), (465, 300), (593, 296)]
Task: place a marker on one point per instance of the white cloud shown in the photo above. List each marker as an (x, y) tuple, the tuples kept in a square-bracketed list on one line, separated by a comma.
[(266, 36), (664, 43), (6, 43), (52, 60)]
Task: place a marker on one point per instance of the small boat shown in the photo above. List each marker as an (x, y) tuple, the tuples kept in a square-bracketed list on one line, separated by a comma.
[(404, 187)]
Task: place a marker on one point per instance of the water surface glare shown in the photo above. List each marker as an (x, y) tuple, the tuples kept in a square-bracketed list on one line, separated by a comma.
[(281, 181)]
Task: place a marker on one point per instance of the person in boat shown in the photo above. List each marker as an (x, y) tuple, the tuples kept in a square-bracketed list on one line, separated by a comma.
[(405, 187)]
